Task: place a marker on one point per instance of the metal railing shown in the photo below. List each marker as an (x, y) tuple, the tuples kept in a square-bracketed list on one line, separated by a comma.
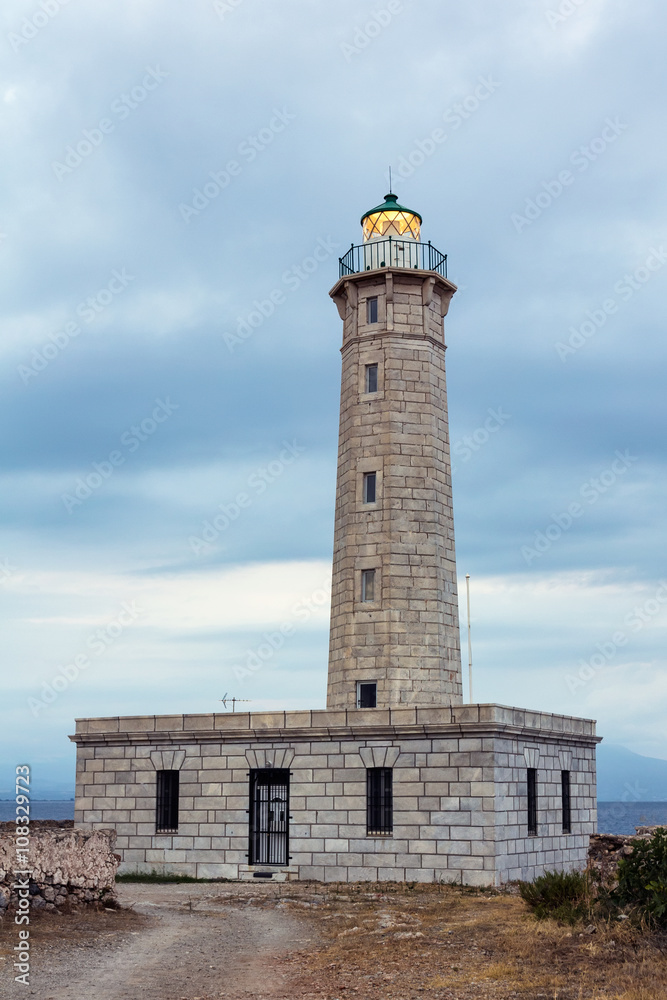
[(392, 252)]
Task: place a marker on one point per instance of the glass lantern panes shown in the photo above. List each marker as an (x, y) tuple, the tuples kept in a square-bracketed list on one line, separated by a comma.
[(384, 224)]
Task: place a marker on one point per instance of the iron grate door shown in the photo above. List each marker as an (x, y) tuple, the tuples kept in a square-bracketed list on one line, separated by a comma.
[(269, 817)]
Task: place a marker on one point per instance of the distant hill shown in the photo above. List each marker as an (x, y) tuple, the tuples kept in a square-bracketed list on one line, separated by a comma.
[(624, 776)]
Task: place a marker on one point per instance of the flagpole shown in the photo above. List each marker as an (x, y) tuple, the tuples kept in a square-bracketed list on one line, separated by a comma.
[(469, 639)]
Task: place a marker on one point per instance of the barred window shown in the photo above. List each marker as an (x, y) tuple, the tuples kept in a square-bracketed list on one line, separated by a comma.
[(566, 801), (379, 801), (166, 819), (532, 801)]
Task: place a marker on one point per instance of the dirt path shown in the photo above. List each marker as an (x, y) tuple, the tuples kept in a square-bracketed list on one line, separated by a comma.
[(178, 942), (306, 941)]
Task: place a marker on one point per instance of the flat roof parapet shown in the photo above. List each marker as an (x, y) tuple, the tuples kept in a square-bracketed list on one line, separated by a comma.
[(324, 724)]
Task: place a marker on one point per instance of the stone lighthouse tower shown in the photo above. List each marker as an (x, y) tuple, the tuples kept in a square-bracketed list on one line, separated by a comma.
[(394, 618), (395, 779)]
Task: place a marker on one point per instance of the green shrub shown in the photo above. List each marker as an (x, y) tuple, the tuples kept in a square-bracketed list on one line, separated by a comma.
[(564, 896), (642, 879)]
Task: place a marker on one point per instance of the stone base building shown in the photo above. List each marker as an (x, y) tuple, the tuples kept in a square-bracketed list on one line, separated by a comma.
[(459, 808), (396, 779)]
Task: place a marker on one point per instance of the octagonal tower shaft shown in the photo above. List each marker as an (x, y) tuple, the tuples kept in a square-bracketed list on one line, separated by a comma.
[(394, 613)]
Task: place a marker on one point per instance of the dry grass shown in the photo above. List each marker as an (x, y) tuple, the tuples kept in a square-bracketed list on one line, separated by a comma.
[(393, 942), (457, 944)]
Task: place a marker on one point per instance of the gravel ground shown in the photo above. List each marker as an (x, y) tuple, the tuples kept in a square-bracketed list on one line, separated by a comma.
[(170, 942)]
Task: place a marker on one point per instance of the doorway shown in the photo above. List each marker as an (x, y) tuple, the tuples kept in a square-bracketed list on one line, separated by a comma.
[(269, 817)]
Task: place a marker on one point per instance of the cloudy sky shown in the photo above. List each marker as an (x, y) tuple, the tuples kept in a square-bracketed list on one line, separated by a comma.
[(178, 181)]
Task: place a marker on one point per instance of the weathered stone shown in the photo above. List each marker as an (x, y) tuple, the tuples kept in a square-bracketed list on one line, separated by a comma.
[(62, 861)]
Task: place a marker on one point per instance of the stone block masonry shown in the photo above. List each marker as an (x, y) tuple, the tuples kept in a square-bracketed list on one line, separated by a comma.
[(459, 791), (406, 639), (69, 867)]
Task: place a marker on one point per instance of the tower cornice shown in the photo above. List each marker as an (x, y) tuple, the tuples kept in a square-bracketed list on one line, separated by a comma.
[(344, 292), (422, 338)]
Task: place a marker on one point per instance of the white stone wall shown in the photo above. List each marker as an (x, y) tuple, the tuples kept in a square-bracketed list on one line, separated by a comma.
[(524, 857), (459, 800)]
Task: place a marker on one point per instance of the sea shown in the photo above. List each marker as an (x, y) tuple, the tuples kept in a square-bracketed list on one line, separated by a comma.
[(613, 817), (623, 817), (40, 809)]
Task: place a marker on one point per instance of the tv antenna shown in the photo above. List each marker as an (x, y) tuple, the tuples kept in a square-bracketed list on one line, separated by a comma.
[(233, 701)]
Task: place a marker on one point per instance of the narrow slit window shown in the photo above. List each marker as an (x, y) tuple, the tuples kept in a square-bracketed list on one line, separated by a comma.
[(566, 801), (367, 694), (367, 586), (371, 378), (166, 819), (372, 310), (379, 802), (532, 801), (370, 484)]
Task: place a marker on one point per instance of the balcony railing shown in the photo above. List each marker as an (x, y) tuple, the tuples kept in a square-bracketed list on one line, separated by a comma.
[(392, 252)]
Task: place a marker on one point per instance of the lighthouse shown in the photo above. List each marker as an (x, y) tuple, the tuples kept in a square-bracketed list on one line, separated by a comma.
[(394, 638), (396, 779)]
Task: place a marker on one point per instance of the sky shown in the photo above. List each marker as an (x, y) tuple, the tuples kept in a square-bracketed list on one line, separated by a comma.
[(177, 183)]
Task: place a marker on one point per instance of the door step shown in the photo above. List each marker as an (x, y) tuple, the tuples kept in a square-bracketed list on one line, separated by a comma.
[(268, 873)]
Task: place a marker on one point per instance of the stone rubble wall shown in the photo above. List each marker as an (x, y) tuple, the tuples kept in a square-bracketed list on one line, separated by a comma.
[(69, 867), (607, 849)]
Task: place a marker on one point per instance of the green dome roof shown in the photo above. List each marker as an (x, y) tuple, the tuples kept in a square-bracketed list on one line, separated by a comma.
[(390, 205)]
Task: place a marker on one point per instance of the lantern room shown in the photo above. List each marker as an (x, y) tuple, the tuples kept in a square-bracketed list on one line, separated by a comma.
[(391, 219), (391, 235)]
